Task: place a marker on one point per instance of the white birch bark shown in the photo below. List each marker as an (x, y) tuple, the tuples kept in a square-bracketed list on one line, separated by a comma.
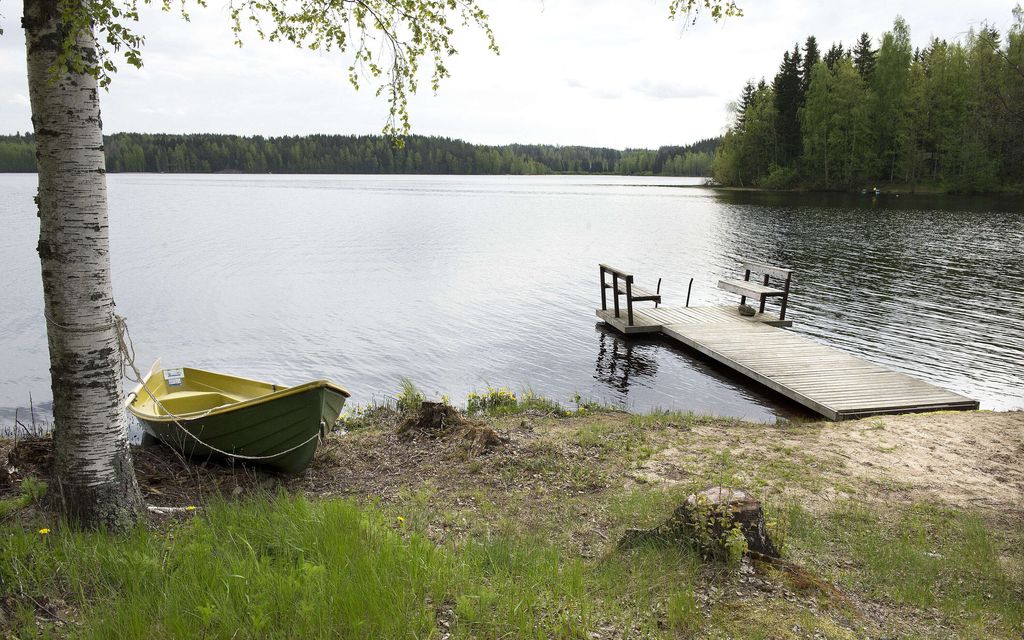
[(93, 482)]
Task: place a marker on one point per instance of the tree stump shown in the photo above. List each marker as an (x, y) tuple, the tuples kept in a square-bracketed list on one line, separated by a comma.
[(711, 521), (431, 419), (440, 420)]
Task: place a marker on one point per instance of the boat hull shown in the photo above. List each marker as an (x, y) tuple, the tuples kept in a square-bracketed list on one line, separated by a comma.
[(279, 429)]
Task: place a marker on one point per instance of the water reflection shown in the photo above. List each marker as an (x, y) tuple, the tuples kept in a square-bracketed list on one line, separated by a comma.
[(623, 362)]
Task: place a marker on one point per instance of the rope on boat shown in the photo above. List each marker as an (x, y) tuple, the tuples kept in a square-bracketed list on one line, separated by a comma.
[(126, 350)]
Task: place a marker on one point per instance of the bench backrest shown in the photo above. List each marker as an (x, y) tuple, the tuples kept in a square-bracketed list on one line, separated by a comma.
[(760, 267)]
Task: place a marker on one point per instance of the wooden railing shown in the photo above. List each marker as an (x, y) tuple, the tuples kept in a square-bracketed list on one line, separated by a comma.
[(622, 284)]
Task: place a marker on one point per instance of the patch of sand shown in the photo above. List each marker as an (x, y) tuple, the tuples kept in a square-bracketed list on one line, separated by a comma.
[(968, 459)]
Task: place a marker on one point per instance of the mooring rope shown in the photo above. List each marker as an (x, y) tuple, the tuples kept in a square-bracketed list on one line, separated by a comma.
[(126, 349)]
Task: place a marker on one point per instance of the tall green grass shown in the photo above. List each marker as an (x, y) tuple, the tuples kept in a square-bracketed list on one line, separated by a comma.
[(280, 567), (286, 567)]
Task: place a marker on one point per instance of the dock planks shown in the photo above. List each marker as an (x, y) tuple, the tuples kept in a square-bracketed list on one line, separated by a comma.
[(829, 381)]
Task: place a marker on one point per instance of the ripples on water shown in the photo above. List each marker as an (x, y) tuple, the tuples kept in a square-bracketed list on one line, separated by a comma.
[(457, 282)]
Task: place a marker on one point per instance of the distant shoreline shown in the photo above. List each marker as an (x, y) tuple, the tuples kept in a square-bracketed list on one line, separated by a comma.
[(896, 191)]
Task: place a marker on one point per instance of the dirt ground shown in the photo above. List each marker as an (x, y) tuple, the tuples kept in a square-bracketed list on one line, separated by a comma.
[(964, 459)]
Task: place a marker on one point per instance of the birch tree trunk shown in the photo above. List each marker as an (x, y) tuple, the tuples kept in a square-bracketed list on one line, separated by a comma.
[(94, 482)]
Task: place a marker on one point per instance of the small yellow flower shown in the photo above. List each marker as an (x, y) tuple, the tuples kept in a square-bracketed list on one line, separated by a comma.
[(44, 531), (190, 508), (401, 520)]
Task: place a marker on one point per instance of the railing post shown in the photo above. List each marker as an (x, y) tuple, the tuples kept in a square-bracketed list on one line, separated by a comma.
[(629, 299), (615, 292), (604, 295)]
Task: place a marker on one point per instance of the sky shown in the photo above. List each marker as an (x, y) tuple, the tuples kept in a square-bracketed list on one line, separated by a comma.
[(613, 73)]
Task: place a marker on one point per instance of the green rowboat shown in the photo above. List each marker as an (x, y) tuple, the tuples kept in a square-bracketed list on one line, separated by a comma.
[(202, 413)]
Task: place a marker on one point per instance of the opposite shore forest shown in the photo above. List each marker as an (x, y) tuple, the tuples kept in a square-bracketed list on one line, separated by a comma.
[(943, 118)]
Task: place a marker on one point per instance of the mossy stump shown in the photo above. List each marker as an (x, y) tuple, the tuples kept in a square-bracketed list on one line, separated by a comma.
[(720, 522)]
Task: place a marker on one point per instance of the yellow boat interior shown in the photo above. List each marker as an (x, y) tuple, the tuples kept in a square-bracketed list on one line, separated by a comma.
[(188, 391)]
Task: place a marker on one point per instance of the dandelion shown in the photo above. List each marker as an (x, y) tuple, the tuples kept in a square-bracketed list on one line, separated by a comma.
[(44, 531), (401, 520), (190, 508)]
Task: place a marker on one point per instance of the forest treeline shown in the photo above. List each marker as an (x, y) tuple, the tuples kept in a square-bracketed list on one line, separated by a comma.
[(215, 153), (950, 115)]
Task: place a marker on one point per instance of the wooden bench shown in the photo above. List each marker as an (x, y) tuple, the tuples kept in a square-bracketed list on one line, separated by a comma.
[(622, 285), (762, 291)]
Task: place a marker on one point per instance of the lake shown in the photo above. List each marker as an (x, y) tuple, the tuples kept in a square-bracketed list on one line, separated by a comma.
[(460, 282)]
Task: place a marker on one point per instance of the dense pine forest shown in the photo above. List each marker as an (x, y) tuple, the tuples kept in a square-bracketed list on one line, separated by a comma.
[(949, 116), (210, 153)]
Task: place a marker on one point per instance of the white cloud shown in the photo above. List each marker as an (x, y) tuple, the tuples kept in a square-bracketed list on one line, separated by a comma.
[(670, 90)]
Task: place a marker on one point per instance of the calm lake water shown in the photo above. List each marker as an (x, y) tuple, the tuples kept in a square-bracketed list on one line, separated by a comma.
[(459, 282)]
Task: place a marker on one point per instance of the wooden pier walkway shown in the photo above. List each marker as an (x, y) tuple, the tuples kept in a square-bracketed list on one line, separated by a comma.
[(829, 381)]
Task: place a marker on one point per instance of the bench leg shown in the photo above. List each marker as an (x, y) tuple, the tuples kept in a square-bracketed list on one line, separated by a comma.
[(763, 297), (785, 297)]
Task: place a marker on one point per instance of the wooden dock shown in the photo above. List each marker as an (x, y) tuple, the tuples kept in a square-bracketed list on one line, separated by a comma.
[(829, 381)]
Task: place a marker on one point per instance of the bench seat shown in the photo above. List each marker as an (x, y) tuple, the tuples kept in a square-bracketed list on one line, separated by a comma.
[(748, 288)]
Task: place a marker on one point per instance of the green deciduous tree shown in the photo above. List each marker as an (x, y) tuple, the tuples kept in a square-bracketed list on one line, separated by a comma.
[(750, 148), (837, 133), (891, 84), (94, 481)]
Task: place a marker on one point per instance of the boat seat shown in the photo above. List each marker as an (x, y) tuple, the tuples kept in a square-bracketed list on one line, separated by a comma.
[(182, 402)]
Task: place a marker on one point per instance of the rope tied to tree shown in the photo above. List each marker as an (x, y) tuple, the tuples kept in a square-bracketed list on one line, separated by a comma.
[(126, 356)]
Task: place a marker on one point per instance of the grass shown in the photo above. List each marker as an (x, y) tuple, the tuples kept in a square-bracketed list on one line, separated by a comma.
[(288, 567), (521, 543), (31, 491), (927, 557), (502, 401)]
